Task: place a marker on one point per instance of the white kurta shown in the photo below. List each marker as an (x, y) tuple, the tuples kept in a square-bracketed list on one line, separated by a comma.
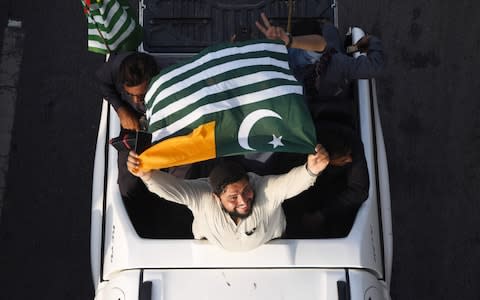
[(266, 222)]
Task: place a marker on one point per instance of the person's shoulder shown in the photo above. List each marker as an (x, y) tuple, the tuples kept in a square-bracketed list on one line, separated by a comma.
[(202, 185), (256, 180), (201, 181), (112, 65)]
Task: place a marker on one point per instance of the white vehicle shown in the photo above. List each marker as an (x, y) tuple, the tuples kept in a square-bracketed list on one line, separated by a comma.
[(126, 265)]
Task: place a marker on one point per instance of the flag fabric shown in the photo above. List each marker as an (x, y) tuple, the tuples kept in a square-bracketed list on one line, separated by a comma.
[(229, 99), (111, 26)]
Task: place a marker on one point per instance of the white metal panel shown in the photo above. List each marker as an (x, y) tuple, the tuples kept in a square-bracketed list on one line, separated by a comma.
[(365, 286), (368, 130), (122, 286), (97, 198), (384, 190), (244, 284)]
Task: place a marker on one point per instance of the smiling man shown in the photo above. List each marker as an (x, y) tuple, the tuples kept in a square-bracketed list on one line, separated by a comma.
[(234, 209), (231, 187)]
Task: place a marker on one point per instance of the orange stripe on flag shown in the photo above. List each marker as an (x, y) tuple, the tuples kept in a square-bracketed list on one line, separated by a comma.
[(181, 150)]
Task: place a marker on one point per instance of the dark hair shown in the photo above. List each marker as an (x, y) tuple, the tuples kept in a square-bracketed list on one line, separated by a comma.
[(225, 173), (137, 68), (337, 141)]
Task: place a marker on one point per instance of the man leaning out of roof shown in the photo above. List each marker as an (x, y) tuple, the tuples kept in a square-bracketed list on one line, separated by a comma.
[(234, 209)]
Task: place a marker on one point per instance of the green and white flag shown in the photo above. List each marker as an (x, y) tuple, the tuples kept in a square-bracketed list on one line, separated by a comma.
[(111, 26), (229, 99)]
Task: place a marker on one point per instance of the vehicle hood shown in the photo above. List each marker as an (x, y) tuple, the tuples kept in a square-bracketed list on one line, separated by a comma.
[(223, 284)]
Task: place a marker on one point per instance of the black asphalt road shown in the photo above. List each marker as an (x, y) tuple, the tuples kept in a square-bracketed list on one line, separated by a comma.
[(431, 118), (430, 112)]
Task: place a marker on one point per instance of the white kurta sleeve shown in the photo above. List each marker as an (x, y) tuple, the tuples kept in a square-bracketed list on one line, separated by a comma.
[(278, 188), (171, 188)]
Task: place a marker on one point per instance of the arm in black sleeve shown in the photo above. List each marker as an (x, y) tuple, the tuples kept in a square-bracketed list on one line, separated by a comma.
[(356, 191), (364, 66), (107, 78)]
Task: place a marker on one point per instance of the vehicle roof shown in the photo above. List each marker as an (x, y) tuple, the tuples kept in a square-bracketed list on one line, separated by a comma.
[(189, 26)]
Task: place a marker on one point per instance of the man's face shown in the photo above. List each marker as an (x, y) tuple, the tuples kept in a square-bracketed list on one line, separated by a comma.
[(237, 199), (137, 92)]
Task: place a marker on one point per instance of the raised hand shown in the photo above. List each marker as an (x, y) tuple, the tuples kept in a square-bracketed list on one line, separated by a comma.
[(271, 32), (133, 165), (317, 162)]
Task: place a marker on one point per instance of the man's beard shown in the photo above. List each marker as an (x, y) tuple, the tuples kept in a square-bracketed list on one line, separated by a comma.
[(234, 214)]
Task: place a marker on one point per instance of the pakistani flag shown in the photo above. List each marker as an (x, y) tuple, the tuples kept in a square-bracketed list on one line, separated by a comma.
[(229, 99), (111, 26)]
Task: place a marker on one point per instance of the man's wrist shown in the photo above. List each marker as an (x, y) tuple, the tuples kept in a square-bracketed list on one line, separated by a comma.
[(289, 40), (146, 176), (310, 172)]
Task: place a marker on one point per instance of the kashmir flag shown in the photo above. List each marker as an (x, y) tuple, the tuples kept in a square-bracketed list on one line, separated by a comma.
[(229, 99), (111, 26)]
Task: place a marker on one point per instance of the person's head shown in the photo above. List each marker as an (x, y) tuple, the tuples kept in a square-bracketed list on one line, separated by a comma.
[(338, 144), (230, 186), (135, 72)]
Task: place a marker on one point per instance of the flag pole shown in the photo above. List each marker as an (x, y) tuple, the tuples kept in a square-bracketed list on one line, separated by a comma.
[(290, 10), (89, 15)]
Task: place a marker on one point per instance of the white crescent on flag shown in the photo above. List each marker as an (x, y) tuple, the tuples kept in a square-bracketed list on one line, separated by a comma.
[(248, 123)]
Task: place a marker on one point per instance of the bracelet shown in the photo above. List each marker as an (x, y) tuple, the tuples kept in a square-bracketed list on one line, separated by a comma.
[(310, 172), (290, 39)]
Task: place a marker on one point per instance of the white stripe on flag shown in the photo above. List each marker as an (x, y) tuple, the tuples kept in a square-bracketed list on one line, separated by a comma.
[(106, 22), (118, 25), (107, 36), (213, 71), (123, 36), (211, 56), (101, 19), (114, 45), (92, 31), (225, 105), (96, 44), (220, 87)]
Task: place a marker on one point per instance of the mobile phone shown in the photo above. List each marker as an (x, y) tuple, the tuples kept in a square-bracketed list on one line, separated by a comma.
[(143, 141)]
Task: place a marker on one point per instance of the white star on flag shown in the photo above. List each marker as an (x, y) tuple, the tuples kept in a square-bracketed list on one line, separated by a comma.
[(276, 141)]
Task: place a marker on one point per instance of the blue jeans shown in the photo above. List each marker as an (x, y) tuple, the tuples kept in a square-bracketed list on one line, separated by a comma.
[(298, 59)]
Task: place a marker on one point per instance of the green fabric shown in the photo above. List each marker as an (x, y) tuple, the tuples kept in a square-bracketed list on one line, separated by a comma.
[(234, 84), (112, 26)]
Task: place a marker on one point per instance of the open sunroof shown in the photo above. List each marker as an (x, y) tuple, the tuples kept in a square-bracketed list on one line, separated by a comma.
[(188, 26)]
